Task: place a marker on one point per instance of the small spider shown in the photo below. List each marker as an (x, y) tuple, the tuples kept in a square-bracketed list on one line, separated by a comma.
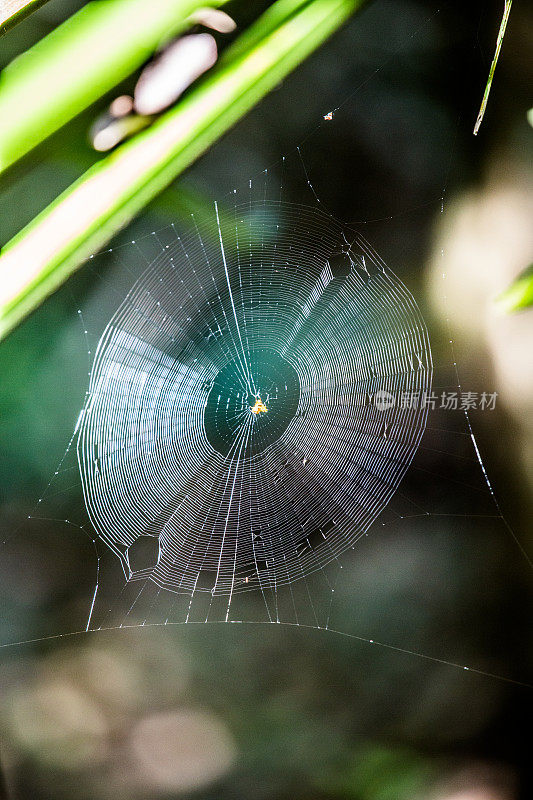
[(259, 407)]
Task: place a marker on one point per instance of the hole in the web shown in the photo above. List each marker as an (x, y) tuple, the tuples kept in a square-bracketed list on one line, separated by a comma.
[(206, 580), (143, 553), (340, 266)]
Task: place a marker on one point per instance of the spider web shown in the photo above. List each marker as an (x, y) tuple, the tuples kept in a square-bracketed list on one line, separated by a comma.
[(200, 510), (286, 308)]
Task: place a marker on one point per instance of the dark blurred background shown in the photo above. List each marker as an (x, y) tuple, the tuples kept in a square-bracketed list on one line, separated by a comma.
[(274, 712)]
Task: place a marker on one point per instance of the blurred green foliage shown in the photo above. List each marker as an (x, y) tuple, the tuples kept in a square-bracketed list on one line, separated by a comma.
[(519, 294)]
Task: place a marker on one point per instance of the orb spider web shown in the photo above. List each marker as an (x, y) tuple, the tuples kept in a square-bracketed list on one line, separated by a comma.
[(217, 510), (235, 413)]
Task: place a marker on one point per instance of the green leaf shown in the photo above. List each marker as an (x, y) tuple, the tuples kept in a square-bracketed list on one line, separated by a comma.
[(519, 294), (94, 208), (78, 62)]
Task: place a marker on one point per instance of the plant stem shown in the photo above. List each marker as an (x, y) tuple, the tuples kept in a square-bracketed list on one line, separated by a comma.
[(501, 34)]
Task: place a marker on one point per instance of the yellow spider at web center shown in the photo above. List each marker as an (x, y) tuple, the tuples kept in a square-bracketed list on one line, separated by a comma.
[(259, 407)]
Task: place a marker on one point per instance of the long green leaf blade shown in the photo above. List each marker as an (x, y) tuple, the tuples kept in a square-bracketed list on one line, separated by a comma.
[(78, 62), (102, 201)]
